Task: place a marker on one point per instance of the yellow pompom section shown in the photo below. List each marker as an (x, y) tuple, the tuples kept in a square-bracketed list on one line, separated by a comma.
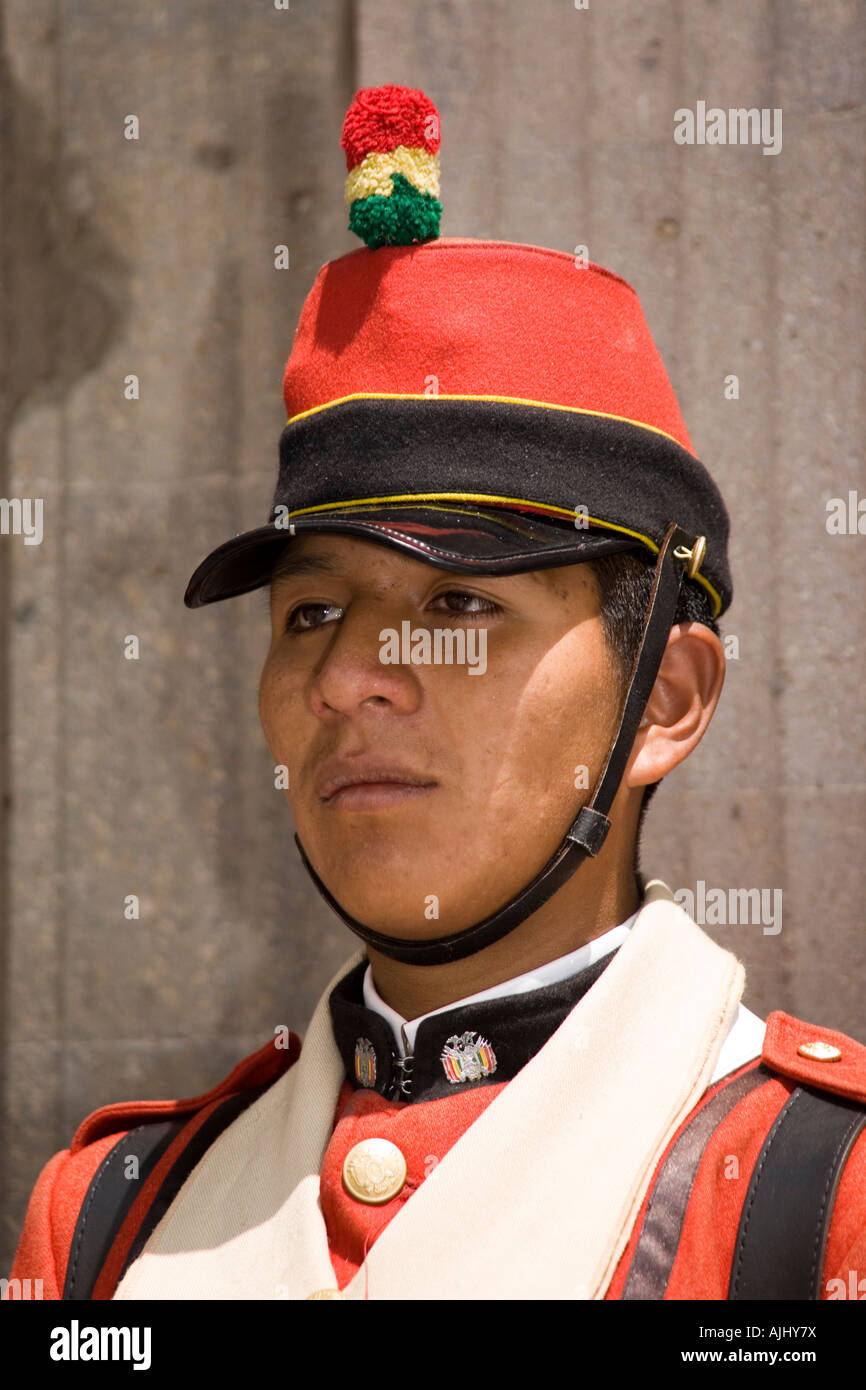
[(373, 174)]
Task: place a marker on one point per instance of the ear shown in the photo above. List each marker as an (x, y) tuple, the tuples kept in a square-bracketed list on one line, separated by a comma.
[(681, 705)]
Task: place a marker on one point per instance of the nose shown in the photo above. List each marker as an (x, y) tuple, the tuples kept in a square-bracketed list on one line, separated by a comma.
[(350, 674)]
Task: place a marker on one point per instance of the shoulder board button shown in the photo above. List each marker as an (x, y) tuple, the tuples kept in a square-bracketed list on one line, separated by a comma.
[(819, 1051)]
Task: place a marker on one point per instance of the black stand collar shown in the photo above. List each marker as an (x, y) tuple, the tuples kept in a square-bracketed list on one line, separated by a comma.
[(457, 1050)]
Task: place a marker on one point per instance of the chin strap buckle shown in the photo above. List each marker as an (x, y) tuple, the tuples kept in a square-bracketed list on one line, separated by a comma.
[(589, 830)]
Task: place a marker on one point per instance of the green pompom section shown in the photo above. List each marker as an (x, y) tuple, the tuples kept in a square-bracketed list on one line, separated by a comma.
[(407, 216)]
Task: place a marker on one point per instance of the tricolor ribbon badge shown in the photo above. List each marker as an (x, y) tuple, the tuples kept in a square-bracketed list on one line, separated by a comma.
[(365, 1062), (468, 1057)]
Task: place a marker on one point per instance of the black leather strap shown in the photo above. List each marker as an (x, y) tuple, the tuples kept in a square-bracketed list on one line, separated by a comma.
[(587, 833), (782, 1236), (113, 1190), (658, 620)]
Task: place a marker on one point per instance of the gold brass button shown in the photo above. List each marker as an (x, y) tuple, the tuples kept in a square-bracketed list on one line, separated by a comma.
[(374, 1171), (324, 1293), (818, 1051)]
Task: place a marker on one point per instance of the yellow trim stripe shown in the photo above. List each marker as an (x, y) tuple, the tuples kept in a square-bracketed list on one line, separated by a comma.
[(548, 507), (505, 400), (373, 175)]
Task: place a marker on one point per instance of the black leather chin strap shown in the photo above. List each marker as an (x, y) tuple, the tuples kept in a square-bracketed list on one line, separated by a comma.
[(588, 831)]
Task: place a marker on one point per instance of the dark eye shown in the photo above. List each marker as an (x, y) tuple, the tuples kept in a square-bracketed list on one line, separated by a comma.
[(296, 623), (463, 598)]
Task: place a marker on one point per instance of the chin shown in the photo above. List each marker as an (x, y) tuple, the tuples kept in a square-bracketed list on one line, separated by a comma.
[(383, 899), (428, 903), (396, 876)]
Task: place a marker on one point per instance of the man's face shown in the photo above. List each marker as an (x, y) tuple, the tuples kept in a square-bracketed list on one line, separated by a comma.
[(491, 757)]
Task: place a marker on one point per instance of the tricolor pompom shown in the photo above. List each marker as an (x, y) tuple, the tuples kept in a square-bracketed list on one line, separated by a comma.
[(391, 136)]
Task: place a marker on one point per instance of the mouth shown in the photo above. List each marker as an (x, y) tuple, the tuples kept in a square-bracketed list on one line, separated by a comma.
[(380, 787)]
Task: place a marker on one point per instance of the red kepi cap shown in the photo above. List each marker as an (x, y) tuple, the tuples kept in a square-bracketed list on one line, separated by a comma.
[(487, 406)]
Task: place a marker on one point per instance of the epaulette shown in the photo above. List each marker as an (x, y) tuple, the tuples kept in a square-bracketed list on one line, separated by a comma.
[(785, 1218), (139, 1177), (814, 1056)]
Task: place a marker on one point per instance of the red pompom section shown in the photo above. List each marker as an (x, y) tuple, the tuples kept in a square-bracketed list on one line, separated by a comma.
[(381, 118)]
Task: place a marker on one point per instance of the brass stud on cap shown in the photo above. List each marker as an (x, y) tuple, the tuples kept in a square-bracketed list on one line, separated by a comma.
[(695, 556), (818, 1051), (325, 1293)]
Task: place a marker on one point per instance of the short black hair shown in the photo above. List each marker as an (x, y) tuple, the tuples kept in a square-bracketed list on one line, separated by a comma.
[(625, 582)]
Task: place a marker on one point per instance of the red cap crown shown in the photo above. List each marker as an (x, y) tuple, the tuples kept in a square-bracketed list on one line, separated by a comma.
[(458, 317)]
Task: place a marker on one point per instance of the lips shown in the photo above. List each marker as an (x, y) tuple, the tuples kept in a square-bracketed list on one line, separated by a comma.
[(333, 779)]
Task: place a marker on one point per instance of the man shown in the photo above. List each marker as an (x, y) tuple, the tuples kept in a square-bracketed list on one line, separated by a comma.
[(495, 569)]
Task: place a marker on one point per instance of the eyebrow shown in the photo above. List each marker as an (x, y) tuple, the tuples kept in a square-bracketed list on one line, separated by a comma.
[(290, 566)]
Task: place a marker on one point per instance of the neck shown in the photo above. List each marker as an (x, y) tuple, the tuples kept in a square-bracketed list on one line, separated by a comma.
[(593, 901)]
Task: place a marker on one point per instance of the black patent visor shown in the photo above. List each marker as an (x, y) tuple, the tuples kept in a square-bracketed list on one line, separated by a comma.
[(455, 536)]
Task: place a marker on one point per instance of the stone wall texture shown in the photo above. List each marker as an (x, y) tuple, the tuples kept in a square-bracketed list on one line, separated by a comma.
[(155, 257)]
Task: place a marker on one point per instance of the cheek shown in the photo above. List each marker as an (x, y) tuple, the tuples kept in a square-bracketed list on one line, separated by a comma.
[(563, 723), (278, 696)]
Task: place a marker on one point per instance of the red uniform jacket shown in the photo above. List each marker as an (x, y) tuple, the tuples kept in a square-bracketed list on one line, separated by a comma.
[(681, 1246)]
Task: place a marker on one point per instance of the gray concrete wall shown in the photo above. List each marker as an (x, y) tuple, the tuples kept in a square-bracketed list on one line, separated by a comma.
[(155, 257)]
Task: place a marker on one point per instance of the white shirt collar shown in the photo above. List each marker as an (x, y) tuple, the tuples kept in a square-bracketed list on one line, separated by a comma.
[(404, 1030)]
